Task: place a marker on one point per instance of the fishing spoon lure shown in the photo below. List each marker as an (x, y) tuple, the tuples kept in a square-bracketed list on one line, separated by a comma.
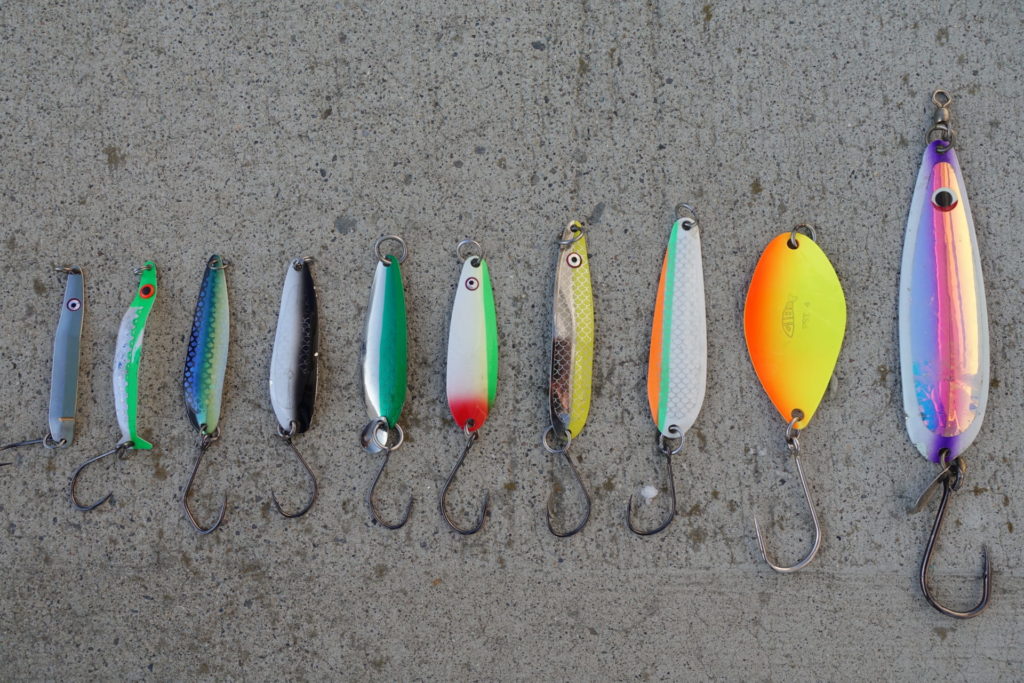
[(472, 370), (572, 357), (127, 357), (385, 364), (293, 365), (678, 361), (205, 364), (64, 372), (794, 321), (943, 322)]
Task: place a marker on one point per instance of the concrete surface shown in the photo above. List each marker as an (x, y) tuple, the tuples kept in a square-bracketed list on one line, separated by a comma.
[(133, 130)]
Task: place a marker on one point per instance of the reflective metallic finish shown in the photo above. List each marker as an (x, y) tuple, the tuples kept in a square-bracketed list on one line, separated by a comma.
[(572, 344), (293, 364), (944, 346), (207, 357), (385, 360)]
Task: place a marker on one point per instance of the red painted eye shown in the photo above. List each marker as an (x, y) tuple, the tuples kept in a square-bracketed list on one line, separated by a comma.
[(944, 199), (74, 304), (472, 283), (574, 260), (147, 291)]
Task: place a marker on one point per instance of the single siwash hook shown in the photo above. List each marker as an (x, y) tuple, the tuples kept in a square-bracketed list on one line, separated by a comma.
[(287, 438), (119, 451), (668, 452), (793, 441), (371, 439), (471, 438), (951, 479), (564, 452), (202, 443)]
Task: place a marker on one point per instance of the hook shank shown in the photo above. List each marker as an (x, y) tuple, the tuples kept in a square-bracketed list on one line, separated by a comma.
[(564, 452), (287, 438), (119, 449), (952, 480), (666, 449), (671, 507), (204, 442), (814, 517), (370, 500), (19, 444), (471, 438)]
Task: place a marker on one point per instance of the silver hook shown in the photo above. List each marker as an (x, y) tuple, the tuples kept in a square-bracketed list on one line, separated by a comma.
[(951, 479), (119, 450), (471, 438), (564, 452), (286, 436), (792, 440), (668, 451), (19, 444), (385, 447), (202, 443)]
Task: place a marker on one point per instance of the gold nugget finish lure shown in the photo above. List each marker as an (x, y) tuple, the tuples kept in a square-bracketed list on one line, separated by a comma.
[(572, 356)]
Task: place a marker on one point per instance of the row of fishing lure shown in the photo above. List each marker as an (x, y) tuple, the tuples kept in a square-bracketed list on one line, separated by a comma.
[(794, 323)]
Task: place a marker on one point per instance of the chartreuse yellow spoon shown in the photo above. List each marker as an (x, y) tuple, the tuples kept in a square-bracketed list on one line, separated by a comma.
[(572, 357), (794, 321)]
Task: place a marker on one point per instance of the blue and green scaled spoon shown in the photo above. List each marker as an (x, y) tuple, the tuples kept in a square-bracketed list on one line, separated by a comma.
[(205, 363)]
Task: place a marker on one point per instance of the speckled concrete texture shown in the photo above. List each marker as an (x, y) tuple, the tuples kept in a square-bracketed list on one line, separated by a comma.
[(266, 131)]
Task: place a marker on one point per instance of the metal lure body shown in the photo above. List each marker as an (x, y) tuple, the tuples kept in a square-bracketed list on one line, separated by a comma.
[(66, 351), (385, 361), (794, 320), (572, 338), (678, 362), (472, 370), (128, 354), (293, 363), (943, 320), (207, 356)]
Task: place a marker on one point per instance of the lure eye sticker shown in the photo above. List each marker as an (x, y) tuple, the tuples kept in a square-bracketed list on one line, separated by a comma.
[(945, 199), (574, 260), (147, 291), (472, 283), (74, 304)]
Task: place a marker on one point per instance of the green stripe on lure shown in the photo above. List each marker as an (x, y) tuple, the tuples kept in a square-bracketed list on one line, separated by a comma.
[(572, 356), (385, 363), (64, 373), (472, 372), (127, 356), (678, 361), (205, 365)]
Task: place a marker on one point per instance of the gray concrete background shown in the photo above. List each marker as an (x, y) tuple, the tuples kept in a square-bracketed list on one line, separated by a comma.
[(134, 130)]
